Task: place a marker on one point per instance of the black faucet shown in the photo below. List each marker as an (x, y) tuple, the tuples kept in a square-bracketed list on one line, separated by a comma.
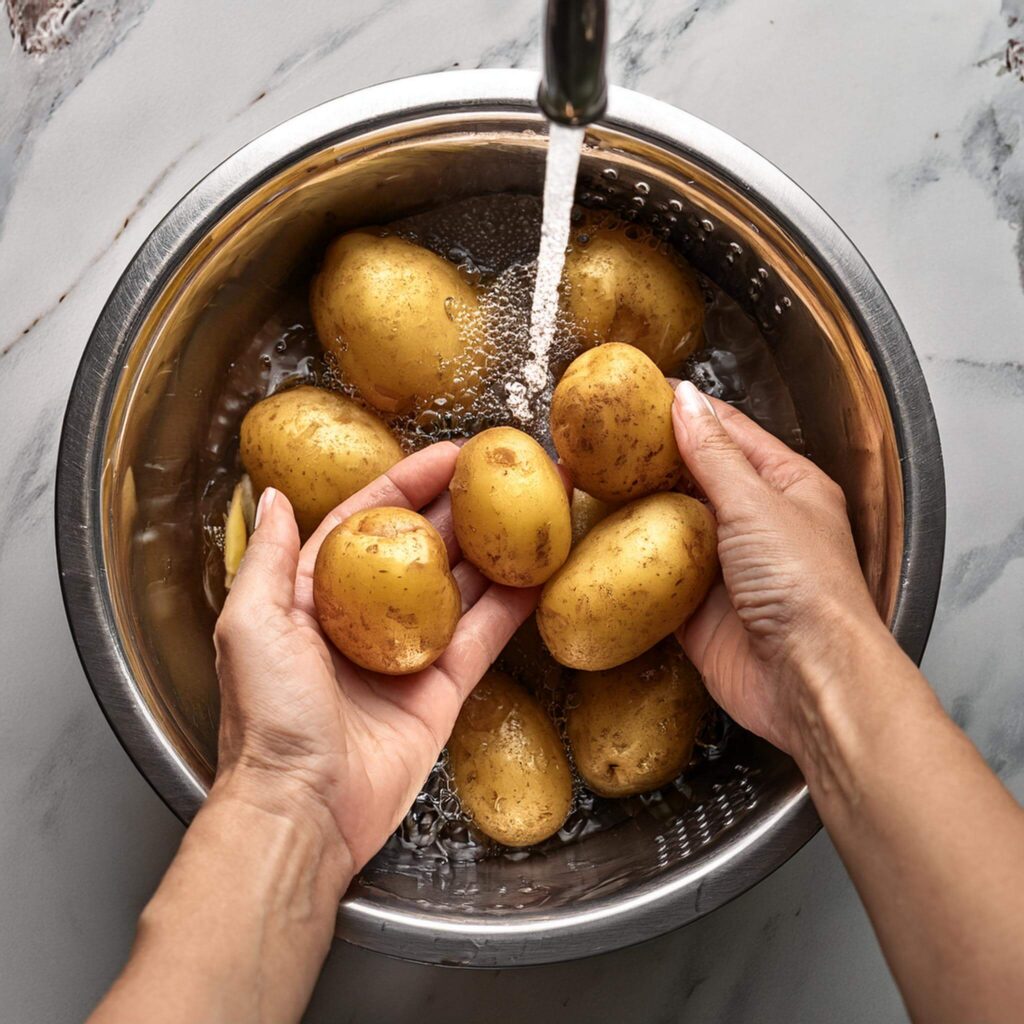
[(573, 88)]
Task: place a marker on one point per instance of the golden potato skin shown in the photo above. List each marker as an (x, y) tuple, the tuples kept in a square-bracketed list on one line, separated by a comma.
[(611, 421), (622, 283), (510, 768), (636, 577), (384, 593), (315, 446), (401, 322), (509, 508), (632, 728)]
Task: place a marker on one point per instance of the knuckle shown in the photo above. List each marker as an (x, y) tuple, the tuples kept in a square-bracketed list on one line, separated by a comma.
[(830, 491), (715, 443), (230, 625)]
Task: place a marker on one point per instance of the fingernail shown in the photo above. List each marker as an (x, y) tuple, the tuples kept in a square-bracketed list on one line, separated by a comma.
[(693, 401), (266, 500)]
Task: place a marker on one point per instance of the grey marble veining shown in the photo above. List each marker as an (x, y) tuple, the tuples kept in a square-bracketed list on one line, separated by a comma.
[(905, 121)]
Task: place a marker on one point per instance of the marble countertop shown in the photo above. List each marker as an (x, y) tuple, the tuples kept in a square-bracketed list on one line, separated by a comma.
[(905, 121)]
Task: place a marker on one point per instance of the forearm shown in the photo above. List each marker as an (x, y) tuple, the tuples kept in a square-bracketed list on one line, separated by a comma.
[(241, 922), (932, 840)]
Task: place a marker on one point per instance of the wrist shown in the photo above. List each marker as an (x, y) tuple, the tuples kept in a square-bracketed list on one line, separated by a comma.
[(848, 694), (277, 798), (245, 915)]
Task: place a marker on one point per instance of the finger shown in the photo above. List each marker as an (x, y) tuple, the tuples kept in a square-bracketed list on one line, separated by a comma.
[(715, 460), (483, 632), (773, 459), (472, 584), (267, 573), (411, 483), (439, 514), (696, 634)]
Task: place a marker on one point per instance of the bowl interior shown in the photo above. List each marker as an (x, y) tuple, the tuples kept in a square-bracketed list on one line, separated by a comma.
[(172, 442)]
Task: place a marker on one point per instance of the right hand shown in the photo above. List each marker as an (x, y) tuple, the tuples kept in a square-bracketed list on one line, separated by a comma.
[(792, 602)]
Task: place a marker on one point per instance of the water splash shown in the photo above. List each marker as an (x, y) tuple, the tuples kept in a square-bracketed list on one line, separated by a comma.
[(563, 160)]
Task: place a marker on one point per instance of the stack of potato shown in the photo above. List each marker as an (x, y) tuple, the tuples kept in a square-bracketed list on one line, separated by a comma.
[(622, 565)]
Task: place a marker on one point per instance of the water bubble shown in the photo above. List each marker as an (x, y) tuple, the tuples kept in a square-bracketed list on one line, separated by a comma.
[(642, 187)]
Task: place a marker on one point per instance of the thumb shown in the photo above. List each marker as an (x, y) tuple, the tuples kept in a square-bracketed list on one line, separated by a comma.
[(718, 465), (267, 572)]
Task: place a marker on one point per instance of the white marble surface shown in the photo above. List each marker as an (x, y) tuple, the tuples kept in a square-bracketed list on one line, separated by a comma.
[(904, 119)]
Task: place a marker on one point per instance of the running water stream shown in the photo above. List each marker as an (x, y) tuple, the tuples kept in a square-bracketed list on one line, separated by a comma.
[(563, 160)]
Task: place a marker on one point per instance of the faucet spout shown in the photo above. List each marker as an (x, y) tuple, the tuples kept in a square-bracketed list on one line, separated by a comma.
[(574, 89)]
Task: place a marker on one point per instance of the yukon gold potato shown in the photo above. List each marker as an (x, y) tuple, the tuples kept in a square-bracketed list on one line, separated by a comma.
[(400, 320), (586, 511), (315, 446), (510, 769), (632, 728), (509, 508), (636, 577), (611, 421), (383, 590), (622, 283)]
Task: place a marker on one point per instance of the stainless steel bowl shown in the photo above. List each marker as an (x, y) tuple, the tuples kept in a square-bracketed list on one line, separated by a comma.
[(141, 412)]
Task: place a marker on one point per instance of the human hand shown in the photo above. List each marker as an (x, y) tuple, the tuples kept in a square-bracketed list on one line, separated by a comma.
[(792, 600), (305, 728)]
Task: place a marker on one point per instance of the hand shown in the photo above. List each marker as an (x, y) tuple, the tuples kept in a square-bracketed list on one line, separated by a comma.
[(299, 722), (792, 594)]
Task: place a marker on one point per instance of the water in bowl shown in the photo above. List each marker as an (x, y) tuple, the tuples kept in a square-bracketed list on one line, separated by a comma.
[(493, 240)]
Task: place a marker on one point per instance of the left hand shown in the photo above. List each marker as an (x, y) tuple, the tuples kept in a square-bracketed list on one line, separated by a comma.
[(304, 729)]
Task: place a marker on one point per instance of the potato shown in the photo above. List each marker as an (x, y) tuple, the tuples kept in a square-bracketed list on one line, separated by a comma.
[(384, 592), (238, 526), (611, 421), (586, 512), (315, 446), (401, 322), (509, 508), (622, 283), (632, 728), (636, 577), (510, 769)]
